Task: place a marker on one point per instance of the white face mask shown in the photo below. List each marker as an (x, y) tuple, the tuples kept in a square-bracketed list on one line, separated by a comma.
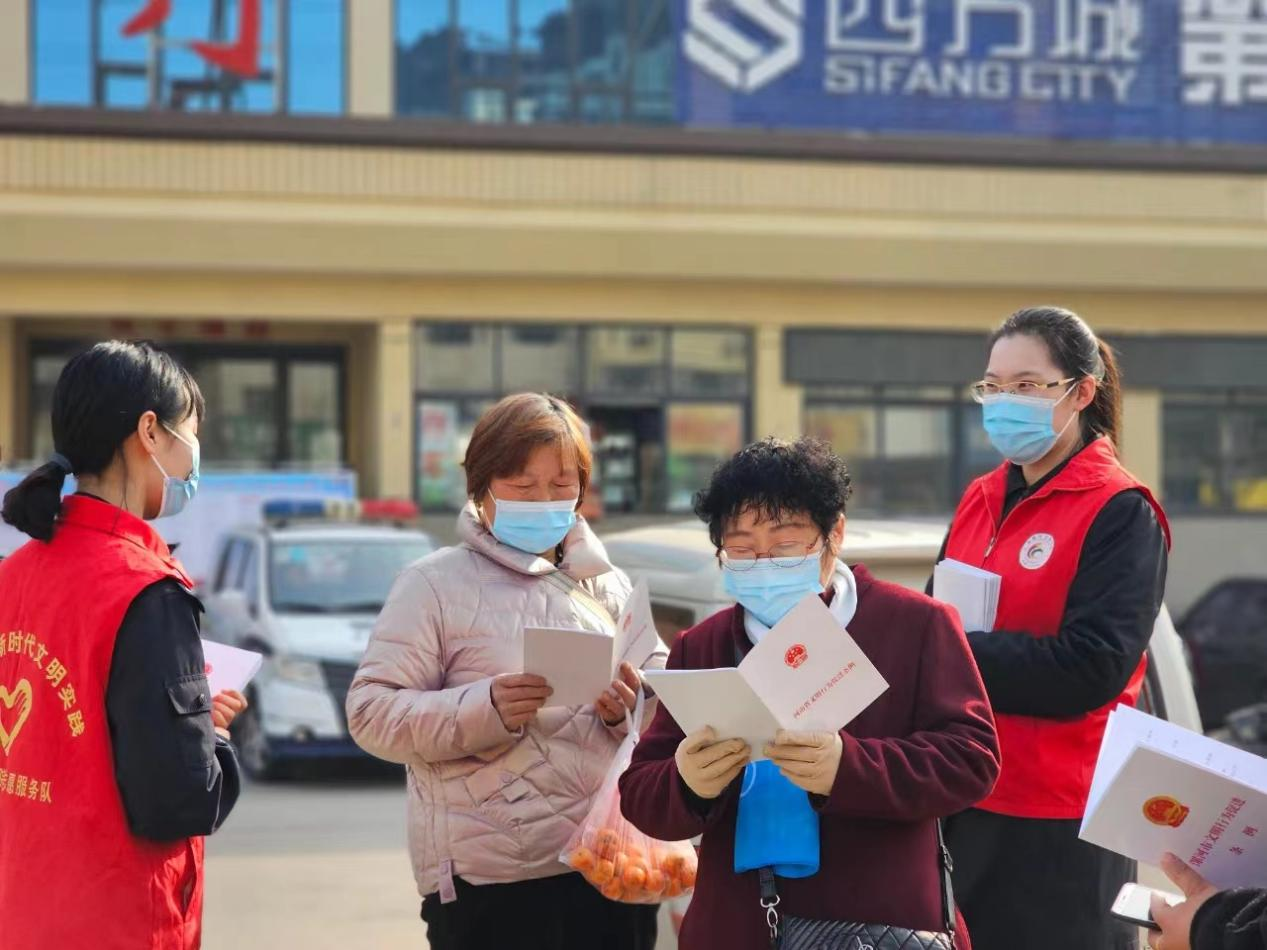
[(178, 492)]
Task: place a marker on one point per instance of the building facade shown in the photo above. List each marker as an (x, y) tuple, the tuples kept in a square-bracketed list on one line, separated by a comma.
[(361, 223)]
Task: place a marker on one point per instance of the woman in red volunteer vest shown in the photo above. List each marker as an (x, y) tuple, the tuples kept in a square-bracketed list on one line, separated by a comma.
[(114, 756), (1081, 547)]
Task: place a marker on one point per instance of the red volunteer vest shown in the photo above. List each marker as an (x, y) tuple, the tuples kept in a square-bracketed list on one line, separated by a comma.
[(1047, 763), (71, 873)]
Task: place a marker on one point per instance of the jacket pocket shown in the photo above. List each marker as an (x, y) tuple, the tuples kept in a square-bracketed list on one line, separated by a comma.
[(505, 775), (190, 697)]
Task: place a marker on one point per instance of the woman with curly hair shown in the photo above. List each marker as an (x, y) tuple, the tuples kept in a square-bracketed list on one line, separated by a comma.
[(873, 792)]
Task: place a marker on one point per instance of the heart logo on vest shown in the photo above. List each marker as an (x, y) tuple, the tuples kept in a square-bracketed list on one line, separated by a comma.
[(1037, 551), (19, 698)]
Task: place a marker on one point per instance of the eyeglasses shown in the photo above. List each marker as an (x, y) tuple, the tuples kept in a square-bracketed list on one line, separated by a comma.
[(789, 554), (985, 388)]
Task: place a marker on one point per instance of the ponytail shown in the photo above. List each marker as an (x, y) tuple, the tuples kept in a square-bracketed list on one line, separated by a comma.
[(98, 402), (1104, 416), (1079, 353), (32, 506)]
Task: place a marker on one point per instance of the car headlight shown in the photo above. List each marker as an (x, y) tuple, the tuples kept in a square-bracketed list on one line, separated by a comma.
[(294, 669)]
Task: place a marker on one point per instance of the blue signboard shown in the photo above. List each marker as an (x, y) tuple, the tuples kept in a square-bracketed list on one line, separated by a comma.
[(1184, 71)]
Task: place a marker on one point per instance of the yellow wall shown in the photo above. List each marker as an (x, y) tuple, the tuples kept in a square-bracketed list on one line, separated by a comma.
[(8, 390), (353, 244), (370, 82), (1142, 440), (14, 64)]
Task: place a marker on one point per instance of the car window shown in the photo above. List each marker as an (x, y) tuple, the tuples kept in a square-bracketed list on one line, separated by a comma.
[(250, 582), (671, 620), (229, 576), (1231, 611), (338, 576)]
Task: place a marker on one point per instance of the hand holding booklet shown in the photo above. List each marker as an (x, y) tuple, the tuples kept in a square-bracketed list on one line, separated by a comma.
[(806, 675), (229, 668), (970, 590), (580, 664), (1159, 787)]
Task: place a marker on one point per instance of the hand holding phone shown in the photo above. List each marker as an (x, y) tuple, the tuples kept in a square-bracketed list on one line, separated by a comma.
[(1133, 902)]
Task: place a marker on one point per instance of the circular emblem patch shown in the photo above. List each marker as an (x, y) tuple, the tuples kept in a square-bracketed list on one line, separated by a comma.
[(1037, 551), (1166, 811)]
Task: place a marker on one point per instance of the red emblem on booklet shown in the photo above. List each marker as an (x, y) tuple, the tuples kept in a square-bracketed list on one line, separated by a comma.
[(796, 655), (206, 669)]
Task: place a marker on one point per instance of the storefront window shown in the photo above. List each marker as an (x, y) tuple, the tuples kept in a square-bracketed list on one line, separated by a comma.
[(1215, 452), (540, 359), (444, 431), (535, 60), (265, 408), (710, 363), (627, 361), (911, 451), (83, 57), (316, 436), (242, 395), (654, 444), (701, 435), (455, 357)]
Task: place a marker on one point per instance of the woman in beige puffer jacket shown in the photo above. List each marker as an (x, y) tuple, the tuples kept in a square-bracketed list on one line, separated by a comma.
[(497, 779)]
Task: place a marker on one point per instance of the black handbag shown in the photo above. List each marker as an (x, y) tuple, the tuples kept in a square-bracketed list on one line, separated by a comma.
[(798, 933)]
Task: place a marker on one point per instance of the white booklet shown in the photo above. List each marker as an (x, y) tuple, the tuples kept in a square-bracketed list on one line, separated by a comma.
[(228, 667), (580, 664), (807, 675), (970, 590), (1159, 787)]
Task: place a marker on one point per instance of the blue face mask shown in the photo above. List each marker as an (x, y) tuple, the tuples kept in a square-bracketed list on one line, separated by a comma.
[(1021, 427), (533, 526), (773, 586), (178, 492)]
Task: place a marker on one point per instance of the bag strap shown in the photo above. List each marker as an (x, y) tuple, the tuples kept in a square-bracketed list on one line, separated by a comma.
[(587, 600), (770, 893)]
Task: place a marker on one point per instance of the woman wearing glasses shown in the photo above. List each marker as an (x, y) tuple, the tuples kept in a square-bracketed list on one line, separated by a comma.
[(871, 793), (1081, 547)]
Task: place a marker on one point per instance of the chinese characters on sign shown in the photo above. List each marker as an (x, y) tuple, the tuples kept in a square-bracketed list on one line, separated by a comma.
[(1150, 70)]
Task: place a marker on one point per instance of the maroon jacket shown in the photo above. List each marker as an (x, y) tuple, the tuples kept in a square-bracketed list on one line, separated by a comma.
[(925, 749)]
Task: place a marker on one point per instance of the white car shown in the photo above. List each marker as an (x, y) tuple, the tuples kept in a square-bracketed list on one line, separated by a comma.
[(304, 590), (680, 567)]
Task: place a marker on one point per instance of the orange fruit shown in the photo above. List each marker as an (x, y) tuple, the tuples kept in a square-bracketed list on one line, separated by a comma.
[(604, 872), (582, 859), (612, 891), (634, 877), (655, 882), (687, 877), (673, 888), (620, 862), (672, 864), (636, 853), (606, 842)]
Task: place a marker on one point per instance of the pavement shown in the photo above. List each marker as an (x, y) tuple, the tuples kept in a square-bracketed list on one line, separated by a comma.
[(318, 863)]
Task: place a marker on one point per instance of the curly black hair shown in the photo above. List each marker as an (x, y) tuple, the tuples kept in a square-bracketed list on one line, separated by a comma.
[(777, 477)]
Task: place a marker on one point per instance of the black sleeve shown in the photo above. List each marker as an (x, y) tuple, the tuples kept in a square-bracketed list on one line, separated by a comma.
[(177, 777), (941, 556), (1108, 621), (1231, 920)]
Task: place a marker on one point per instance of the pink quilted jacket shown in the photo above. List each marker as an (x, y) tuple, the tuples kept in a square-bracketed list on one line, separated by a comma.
[(498, 805)]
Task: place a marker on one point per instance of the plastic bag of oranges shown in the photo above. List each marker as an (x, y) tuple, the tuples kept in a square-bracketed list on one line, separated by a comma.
[(619, 860)]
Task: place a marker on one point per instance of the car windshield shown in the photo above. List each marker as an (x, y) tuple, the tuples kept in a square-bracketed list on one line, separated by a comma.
[(338, 576)]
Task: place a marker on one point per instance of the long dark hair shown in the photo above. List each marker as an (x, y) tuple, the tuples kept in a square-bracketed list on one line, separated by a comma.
[(1078, 352), (99, 399)]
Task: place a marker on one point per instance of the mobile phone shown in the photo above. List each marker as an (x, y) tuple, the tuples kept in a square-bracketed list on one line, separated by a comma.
[(1134, 902)]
